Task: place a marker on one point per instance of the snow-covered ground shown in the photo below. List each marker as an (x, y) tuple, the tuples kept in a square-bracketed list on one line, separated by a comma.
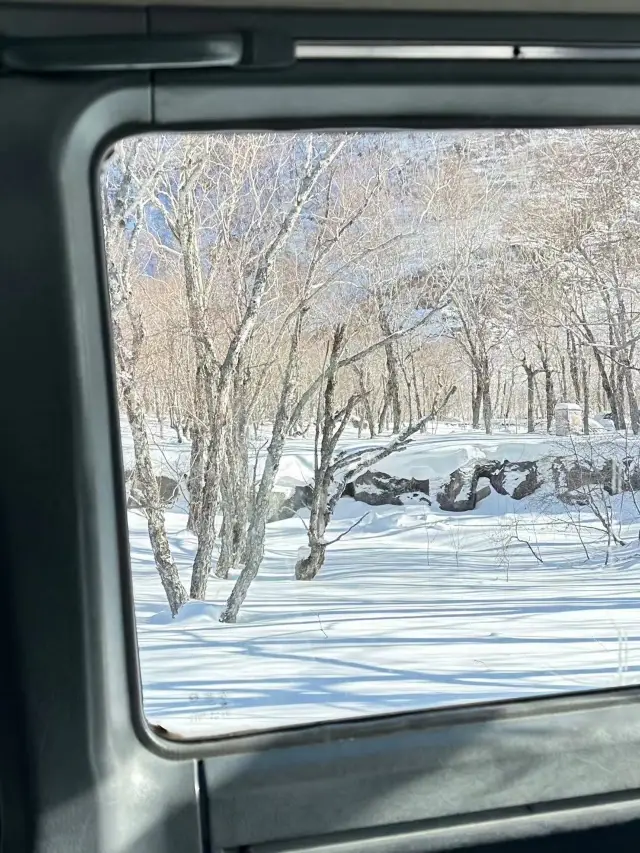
[(414, 608)]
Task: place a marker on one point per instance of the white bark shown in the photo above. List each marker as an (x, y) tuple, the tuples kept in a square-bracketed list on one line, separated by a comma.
[(121, 244), (316, 167), (257, 528)]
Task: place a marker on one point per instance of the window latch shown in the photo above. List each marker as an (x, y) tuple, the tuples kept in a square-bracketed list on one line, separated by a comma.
[(145, 53)]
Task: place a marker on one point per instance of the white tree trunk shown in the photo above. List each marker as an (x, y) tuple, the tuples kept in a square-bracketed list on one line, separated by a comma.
[(257, 529), (150, 497)]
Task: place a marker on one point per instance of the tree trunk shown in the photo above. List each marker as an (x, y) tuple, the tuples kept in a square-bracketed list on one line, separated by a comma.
[(329, 427), (414, 378), (393, 369), (540, 410), (148, 485), (530, 398), (620, 395), (502, 394), (225, 558), (382, 417), (195, 480), (407, 382), (549, 391), (612, 397), (366, 400), (256, 534), (235, 482), (175, 421), (210, 499), (234, 523), (563, 378), (634, 412), (393, 388), (232, 543), (586, 414), (609, 390), (157, 404), (509, 401), (550, 396), (487, 412), (476, 398), (308, 567), (572, 356), (370, 416)]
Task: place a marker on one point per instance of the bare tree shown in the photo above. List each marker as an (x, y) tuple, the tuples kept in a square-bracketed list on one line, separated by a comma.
[(455, 261), (316, 165), (123, 206), (332, 473)]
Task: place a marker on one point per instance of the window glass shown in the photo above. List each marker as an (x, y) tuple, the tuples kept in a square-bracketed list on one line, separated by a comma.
[(378, 395)]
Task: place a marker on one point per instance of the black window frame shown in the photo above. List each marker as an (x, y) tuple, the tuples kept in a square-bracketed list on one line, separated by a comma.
[(78, 749)]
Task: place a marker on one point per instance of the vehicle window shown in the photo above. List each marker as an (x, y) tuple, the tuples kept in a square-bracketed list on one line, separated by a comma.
[(378, 397)]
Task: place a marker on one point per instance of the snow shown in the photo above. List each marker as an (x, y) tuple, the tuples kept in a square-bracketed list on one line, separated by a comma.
[(415, 608), (435, 457), (192, 613), (512, 480), (431, 456)]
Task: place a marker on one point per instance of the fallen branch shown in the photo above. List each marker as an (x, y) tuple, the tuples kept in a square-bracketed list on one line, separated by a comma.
[(342, 535)]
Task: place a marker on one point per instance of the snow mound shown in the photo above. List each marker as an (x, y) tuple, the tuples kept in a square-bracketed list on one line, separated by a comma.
[(191, 613), (623, 558), (434, 459)]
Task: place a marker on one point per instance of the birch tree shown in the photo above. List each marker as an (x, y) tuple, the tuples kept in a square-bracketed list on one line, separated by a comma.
[(333, 471), (257, 281), (123, 203)]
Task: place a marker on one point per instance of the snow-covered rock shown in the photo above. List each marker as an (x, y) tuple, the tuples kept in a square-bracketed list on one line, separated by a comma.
[(516, 479), (168, 488), (377, 489), (285, 502), (465, 488)]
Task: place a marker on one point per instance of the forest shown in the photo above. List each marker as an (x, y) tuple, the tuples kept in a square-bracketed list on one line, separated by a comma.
[(273, 288)]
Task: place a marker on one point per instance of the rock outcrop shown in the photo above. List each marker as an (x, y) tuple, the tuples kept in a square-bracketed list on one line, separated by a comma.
[(568, 478), (168, 488), (466, 487), (285, 504), (372, 487), (377, 489)]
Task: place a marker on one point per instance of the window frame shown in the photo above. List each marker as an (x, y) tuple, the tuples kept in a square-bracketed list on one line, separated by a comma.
[(424, 780)]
